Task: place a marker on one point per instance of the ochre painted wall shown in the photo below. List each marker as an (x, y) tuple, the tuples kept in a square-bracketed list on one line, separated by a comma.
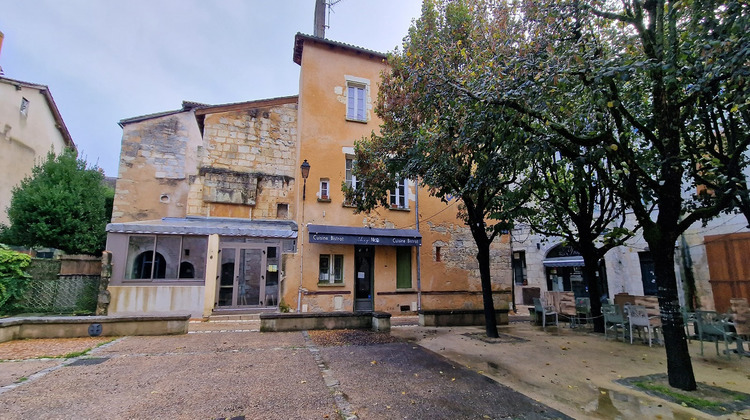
[(326, 139)]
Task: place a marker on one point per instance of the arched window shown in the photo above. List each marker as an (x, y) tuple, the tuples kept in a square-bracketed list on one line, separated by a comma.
[(187, 271), (145, 261)]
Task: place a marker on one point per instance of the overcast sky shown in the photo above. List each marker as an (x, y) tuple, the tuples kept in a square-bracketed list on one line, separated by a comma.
[(106, 60)]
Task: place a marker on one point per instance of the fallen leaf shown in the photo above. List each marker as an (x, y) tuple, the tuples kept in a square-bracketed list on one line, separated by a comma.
[(403, 392), (388, 407), (373, 362), (303, 382), (453, 379), (603, 392)]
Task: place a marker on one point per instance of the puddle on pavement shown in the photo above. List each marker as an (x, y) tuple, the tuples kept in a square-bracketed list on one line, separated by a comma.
[(617, 405)]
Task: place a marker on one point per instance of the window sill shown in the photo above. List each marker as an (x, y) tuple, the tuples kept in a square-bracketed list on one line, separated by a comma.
[(349, 205), (356, 120), (326, 284), (406, 209), (324, 200)]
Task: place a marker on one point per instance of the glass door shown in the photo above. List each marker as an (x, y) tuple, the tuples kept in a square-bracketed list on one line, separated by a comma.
[(242, 279), (363, 272)]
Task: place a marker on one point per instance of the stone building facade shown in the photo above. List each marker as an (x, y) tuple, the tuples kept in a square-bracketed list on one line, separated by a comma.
[(30, 127), (212, 215)]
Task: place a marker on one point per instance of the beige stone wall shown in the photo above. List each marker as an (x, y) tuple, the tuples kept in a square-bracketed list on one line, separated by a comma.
[(248, 165), (158, 158), (24, 139)]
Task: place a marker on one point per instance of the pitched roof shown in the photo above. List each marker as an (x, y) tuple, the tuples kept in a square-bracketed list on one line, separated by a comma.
[(203, 109), (300, 39), (44, 90), (210, 109)]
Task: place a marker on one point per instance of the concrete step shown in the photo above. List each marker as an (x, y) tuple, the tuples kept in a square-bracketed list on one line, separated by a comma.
[(234, 317)]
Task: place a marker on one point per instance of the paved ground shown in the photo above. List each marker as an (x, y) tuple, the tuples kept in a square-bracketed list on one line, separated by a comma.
[(229, 369)]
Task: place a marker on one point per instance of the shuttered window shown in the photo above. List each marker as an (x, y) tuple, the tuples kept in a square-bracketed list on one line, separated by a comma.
[(403, 267), (355, 104)]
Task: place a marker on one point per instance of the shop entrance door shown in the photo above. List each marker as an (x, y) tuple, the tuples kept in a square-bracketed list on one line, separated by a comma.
[(242, 276), (364, 257)]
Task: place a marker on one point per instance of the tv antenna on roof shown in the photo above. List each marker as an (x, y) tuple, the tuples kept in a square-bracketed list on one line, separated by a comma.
[(320, 16)]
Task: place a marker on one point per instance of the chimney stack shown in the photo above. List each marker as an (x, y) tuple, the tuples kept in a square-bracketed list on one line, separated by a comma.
[(320, 19)]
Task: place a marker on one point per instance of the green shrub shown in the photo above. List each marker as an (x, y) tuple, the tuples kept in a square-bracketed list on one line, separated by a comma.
[(13, 278)]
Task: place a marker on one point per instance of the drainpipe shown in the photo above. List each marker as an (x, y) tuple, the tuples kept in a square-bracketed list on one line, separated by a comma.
[(302, 259), (419, 266), (512, 272)]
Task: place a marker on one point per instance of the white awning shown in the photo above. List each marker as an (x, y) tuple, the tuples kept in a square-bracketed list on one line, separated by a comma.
[(572, 261)]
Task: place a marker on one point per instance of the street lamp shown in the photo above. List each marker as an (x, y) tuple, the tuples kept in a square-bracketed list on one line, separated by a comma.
[(305, 168)]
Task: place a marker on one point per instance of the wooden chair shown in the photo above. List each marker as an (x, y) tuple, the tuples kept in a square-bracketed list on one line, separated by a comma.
[(544, 310), (613, 319)]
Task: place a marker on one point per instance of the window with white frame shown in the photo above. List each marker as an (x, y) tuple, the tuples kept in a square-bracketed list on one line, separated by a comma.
[(324, 189), (351, 179), (399, 198), (331, 268), (356, 98)]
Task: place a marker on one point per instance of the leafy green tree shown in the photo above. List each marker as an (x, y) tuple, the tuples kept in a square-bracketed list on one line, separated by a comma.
[(659, 86), (571, 201), (63, 205), (13, 278), (456, 146)]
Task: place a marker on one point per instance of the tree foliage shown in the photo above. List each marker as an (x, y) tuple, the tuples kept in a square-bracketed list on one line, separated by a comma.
[(13, 278), (657, 86), (570, 201), (62, 204), (454, 145)]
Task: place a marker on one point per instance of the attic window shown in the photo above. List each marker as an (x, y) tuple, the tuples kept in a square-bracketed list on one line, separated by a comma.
[(24, 107)]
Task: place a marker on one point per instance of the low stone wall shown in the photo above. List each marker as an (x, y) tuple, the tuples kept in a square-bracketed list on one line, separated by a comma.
[(458, 317), (85, 326), (377, 321)]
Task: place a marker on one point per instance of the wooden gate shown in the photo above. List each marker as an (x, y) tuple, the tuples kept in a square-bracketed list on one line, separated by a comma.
[(728, 267)]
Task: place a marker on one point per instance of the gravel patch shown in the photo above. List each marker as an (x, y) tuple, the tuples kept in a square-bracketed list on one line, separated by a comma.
[(19, 371), (404, 381), (48, 347), (329, 338), (150, 377)]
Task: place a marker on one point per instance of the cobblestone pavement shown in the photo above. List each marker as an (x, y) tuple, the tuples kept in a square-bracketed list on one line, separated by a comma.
[(230, 370)]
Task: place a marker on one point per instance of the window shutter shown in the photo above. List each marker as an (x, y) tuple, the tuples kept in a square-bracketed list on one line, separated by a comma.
[(403, 267), (361, 104), (350, 102)]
